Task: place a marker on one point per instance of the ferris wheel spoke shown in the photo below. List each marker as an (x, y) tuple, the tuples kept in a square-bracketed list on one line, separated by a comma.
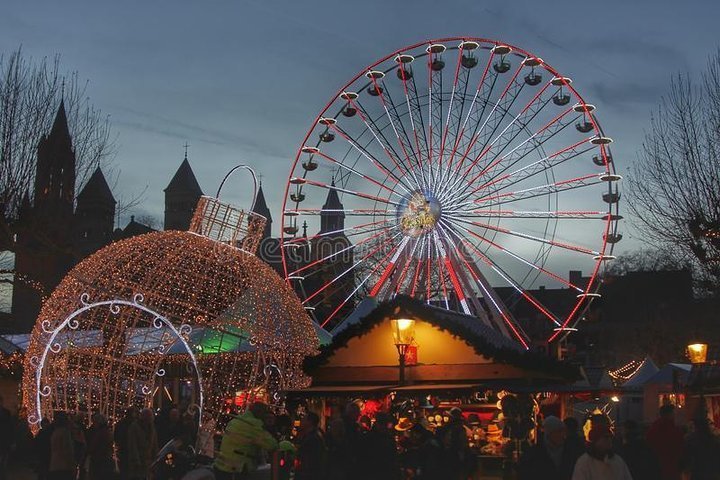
[(494, 303), (499, 182), (348, 232), (488, 126), (561, 214), (407, 260), (519, 123), (523, 260), (357, 288), (355, 172), (509, 280), (403, 140), (350, 192), (390, 172), (486, 88), (351, 268), (534, 141), (339, 252), (383, 141), (533, 238), (416, 119), (353, 212), (389, 268), (457, 102), (520, 151), (541, 190)]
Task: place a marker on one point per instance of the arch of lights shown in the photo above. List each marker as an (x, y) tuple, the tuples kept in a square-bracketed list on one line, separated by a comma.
[(53, 346)]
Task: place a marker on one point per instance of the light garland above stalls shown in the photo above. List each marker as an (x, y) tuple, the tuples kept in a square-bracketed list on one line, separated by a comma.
[(244, 324)]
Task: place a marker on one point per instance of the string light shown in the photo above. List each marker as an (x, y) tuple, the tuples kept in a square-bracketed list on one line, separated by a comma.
[(244, 325), (624, 373)]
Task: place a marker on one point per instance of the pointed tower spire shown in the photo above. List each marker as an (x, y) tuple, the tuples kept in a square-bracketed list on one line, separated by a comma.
[(60, 127), (181, 197), (332, 216), (261, 208)]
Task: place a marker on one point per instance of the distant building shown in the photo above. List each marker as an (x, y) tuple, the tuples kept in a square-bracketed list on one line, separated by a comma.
[(57, 229), (181, 198), (53, 234)]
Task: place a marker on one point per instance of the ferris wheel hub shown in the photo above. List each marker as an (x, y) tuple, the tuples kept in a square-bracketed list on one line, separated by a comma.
[(419, 213)]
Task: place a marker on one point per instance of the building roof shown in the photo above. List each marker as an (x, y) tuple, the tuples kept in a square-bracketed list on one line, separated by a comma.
[(132, 229), (332, 202), (485, 340), (641, 376), (184, 180), (260, 207), (60, 124), (97, 189)]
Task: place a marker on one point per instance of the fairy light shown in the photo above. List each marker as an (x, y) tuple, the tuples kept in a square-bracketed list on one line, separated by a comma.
[(207, 283), (626, 371)]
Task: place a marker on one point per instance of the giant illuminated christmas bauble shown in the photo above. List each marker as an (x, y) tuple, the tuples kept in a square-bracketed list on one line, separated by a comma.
[(195, 305)]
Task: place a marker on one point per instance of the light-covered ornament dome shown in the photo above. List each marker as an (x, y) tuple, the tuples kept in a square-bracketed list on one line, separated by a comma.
[(198, 305)]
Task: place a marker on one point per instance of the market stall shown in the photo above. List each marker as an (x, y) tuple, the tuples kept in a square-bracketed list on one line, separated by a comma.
[(420, 362)]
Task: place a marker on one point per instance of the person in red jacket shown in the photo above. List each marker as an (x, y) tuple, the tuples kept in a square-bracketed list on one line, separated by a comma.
[(667, 441)]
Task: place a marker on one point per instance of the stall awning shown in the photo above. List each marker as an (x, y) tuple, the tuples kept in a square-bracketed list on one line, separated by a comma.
[(338, 389)]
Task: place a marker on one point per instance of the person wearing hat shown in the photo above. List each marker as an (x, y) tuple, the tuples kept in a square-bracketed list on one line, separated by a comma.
[(600, 462), (458, 458), (553, 458)]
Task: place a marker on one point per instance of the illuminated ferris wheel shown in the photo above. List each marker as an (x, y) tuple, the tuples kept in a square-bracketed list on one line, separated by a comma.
[(463, 172)]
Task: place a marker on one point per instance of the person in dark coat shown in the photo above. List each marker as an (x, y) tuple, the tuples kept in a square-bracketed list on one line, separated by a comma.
[(554, 457), (424, 457), (574, 438), (100, 449), (6, 437), (457, 460), (378, 458), (702, 458), (42, 449), (639, 457), (121, 441), (311, 453), (667, 441)]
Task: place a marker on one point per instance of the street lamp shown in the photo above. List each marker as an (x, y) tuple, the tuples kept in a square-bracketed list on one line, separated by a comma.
[(403, 335), (697, 353)]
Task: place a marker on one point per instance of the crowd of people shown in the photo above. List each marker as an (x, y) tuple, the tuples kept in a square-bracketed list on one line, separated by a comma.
[(352, 446), (69, 449), (663, 453), (386, 448)]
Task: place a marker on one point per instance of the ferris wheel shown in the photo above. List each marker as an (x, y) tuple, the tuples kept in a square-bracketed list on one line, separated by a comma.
[(464, 172)]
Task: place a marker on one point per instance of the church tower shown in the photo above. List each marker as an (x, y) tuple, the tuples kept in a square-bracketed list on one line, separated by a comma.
[(44, 248), (332, 247), (94, 215), (181, 197), (332, 217), (261, 208)]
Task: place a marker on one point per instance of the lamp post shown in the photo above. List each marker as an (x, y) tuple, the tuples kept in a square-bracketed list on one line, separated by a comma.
[(403, 335), (697, 353)]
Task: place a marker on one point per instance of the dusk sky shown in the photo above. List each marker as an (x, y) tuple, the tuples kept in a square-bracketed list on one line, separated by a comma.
[(241, 82)]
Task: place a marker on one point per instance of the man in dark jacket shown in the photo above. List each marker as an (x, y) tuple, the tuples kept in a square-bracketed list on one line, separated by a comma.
[(639, 457), (553, 458), (667, 441), (311, 454), (378, 457)]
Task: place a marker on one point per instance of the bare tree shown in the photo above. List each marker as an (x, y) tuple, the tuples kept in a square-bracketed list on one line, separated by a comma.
[(646, 260), (30, 92), (675, 186)]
